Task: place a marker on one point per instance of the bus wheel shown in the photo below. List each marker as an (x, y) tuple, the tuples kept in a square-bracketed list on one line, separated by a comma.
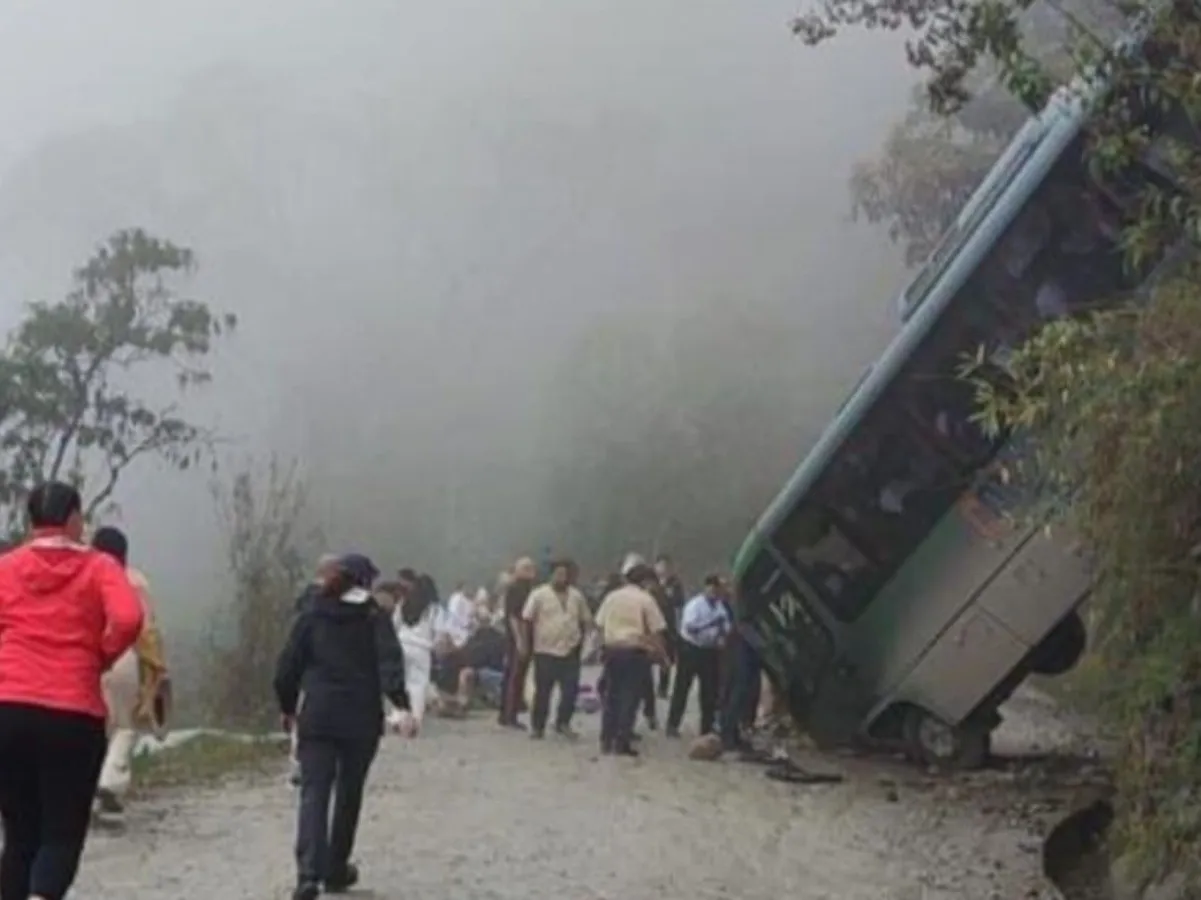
[(932, 742), (1062, 648)]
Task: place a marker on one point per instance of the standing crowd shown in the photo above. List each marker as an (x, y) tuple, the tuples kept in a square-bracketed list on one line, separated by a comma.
[(82, 672)]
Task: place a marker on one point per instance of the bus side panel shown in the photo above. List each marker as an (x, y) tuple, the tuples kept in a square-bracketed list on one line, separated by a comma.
[(972, 656), (924, 597), (1044, 582)]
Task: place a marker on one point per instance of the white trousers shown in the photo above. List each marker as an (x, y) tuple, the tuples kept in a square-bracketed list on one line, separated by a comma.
[(121, 696)]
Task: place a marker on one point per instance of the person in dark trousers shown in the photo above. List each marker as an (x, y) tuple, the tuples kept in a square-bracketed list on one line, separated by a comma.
[(742, 687), (632, 630), (704, 626), (343, 654), (671, 599), (517, 642), (559, 621), (67, 614)]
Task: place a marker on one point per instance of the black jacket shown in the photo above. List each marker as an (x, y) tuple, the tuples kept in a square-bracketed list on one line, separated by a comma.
[(343, 656)]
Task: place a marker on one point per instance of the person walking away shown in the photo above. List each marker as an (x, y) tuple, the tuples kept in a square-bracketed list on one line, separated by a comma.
[(343, 655), (671, 599), (704, 626), (559, 620), (67, 614), (326, 569), (517, 648), (135, 688), (632, 636), (413, 619)]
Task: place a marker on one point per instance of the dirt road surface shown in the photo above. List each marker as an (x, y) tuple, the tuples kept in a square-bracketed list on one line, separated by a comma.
[(470, 812)]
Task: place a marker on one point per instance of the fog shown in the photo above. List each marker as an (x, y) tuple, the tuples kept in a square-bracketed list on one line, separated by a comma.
[(420, 211)]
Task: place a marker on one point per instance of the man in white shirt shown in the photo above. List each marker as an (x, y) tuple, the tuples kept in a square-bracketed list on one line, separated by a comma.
[(704, 626)]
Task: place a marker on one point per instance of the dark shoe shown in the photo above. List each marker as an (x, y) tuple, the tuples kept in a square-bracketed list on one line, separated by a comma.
[(635, 737), (652, 723), (108, 802), (343, 881), (606, 749), (671, 732), (537, 735), (567, 732), (308, 890), (626, 751)]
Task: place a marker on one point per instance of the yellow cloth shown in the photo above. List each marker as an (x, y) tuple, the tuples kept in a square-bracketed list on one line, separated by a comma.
[(153, 705)]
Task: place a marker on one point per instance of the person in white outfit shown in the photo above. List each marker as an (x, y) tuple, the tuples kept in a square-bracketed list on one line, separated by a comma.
[(413, 618), (134, 688)]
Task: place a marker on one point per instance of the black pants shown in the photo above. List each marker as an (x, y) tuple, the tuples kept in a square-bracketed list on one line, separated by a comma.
[(627, 672), (551, 672), (742, 695), (329, 767), (704, 665), (49, 766), (665, 668), (516, 668)]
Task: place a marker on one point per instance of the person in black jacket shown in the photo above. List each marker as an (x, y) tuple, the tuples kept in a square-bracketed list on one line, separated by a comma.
[(343, 654)]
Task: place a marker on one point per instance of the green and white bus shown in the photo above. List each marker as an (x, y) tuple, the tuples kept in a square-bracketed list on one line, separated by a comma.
[(893, 589)]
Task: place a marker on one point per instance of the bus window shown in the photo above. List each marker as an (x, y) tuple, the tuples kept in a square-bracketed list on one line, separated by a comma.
[(828, 560)]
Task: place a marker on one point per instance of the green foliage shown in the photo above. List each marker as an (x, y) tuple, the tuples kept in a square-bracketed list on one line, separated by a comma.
[(72, 403), (206, 759), (1112, 400)]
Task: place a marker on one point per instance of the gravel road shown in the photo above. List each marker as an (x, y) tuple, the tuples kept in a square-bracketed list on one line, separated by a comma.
[(470, 812)]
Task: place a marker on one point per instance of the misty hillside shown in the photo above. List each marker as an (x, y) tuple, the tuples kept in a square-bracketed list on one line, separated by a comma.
[(432, 225)]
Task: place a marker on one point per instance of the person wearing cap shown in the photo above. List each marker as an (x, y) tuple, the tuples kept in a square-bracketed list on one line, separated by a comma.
[(704, 626), (326, 569), (342, 652), (632, 633), (649, 706), (136, 688)]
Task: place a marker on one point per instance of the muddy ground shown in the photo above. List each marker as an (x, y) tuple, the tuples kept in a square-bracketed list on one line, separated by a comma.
[(468, 811)]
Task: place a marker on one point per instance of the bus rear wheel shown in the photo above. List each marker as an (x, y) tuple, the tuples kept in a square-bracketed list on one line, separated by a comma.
[(933, 743), (1062, 648)]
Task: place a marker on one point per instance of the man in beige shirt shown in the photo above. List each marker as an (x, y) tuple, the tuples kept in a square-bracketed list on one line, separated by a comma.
[(559, 620), (632, 631)]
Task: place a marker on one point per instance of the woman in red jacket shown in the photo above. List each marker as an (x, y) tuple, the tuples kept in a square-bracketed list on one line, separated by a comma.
[(67, 613)]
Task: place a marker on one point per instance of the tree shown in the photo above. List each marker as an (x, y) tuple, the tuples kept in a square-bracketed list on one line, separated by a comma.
[(271, 547), (75, 401)]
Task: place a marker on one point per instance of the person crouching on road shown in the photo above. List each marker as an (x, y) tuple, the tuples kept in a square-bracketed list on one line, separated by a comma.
[(67, 614), (342, 652), (136, 688), (632, 637)]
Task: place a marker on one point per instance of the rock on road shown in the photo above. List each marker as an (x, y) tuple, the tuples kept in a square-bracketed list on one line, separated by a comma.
[(469, 812)]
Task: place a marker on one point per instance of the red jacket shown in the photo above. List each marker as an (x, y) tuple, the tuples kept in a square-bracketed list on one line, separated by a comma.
[(67, 612)]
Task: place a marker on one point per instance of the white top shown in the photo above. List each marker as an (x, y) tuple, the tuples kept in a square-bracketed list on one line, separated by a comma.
[(704, 622), (419, 635), (457, 619)]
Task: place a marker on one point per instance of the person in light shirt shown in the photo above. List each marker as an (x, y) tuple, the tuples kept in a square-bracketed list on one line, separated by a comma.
[(632, 637), (704, 626), (136, 688)]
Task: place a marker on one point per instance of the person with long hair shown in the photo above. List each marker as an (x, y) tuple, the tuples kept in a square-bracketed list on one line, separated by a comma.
[(67, 614), (413, 618)]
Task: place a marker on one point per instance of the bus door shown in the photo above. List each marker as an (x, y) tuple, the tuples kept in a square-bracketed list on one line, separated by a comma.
[(819, 565)]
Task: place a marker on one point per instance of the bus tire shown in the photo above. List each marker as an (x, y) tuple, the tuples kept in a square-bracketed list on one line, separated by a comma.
[(1062, 648), (947, 748)]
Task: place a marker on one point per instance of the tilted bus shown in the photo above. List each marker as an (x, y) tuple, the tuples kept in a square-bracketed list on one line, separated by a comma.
[(894, 588)]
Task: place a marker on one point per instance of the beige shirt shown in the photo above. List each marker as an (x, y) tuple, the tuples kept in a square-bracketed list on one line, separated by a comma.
[(558, 621), (628, 617)]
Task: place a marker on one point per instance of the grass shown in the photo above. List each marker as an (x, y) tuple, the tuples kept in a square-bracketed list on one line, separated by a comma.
[(206, 759)]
